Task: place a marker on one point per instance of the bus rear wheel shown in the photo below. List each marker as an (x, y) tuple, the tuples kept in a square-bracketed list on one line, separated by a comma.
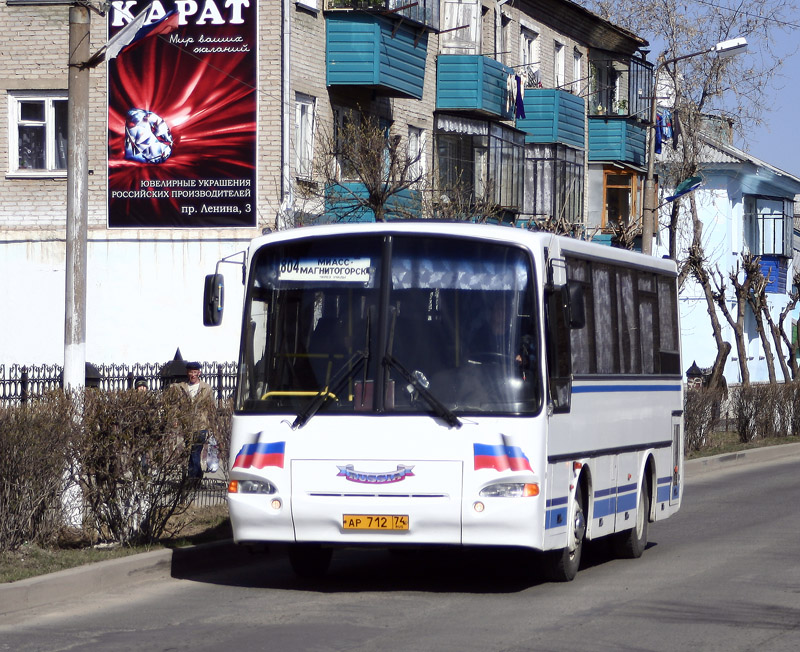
[(309, 560), (563, 564), (630, 544)]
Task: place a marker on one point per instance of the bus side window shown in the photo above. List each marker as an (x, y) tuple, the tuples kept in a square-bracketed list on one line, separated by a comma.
[(559, 362)]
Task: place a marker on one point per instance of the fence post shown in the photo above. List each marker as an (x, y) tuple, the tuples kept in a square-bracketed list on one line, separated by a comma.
[(219, 383), (24, 381)]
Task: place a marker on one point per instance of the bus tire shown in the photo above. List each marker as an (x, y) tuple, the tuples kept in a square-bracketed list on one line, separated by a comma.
[(630, 544), (563, 564), (309, 560)]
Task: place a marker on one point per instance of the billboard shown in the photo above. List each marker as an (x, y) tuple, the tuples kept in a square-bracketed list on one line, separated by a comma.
[(182, 114)]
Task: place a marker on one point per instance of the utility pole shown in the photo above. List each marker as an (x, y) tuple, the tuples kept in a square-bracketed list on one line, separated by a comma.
[(77, 198)]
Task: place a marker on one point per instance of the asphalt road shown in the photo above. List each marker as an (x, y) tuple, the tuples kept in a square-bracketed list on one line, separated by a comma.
[(724, 574)]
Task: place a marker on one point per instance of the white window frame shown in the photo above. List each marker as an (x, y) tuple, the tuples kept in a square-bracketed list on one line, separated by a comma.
[(15, 121), (577, 61), (304, 131), (416, 149), (559, 62), (530, 57)]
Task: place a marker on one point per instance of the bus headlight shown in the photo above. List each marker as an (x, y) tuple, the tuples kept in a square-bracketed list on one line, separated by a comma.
[(251, 487), (511, 490)]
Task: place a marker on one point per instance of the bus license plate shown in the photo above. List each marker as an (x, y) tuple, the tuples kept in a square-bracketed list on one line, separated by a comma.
[(384, 522)]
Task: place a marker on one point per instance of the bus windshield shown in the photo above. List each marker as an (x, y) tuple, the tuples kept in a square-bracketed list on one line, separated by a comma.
[(390, 323)]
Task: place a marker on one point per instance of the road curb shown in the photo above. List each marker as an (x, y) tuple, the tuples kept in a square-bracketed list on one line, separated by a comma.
[(703, 465), (74, 583)]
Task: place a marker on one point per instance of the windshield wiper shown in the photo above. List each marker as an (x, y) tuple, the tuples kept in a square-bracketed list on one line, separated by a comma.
[(337, 383), (438, 407)]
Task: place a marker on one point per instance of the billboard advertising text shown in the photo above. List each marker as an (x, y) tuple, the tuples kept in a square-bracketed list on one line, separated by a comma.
[(182, 114)]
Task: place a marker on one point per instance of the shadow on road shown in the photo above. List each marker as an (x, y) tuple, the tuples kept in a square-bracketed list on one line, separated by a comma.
[(436, 570)]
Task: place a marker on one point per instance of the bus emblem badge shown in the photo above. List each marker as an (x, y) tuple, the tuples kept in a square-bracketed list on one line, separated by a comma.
[(365, 477)]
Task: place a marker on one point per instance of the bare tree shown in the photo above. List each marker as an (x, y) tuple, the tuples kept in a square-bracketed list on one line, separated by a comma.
[(363, 168), (701, 85)]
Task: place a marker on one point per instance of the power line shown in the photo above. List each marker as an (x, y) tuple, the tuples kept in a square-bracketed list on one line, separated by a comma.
[(749, 14)]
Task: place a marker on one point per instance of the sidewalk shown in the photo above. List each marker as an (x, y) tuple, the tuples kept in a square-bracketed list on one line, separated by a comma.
[(186, 562)]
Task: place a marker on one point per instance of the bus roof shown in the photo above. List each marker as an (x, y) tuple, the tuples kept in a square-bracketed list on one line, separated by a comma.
[(536, 241)]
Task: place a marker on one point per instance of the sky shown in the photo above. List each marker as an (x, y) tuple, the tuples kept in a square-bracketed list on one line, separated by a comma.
[(777, 142)]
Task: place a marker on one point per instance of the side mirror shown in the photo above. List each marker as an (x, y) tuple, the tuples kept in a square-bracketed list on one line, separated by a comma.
[(573, 300), (213, 299)]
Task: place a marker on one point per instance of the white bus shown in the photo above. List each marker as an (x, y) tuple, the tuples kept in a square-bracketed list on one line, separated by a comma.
[(428, 383)]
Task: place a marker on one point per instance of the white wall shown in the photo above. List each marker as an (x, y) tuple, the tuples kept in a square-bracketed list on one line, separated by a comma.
[(144, 300), (720, 209)]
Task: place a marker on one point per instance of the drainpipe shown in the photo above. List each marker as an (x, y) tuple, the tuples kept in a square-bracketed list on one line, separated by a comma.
[(287, 117)]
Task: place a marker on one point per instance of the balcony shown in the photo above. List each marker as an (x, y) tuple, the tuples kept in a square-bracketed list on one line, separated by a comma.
[(553, 116), (475, 84), (373, 51), (422, 12), (344, 203), (613, 138)]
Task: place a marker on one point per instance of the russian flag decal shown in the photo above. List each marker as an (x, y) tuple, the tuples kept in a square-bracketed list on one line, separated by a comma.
[(500, 457), (258, 455)]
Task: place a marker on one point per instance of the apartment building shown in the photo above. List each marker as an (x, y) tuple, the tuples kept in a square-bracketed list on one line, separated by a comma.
[(216, 125)]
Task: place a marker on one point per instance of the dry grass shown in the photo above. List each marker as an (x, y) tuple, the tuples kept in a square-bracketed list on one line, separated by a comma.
[(193, 527), (720, 443)]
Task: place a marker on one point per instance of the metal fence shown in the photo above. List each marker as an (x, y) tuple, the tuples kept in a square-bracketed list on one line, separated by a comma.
[(22, 383), (210, 492)]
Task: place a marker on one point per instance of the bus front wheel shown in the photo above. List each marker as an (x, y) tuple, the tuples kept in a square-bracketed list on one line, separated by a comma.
[(563, 564)]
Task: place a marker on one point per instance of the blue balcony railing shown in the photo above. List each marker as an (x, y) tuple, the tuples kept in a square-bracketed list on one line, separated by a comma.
[(553, 116), (617, 139), (473, 83), (373, 51)]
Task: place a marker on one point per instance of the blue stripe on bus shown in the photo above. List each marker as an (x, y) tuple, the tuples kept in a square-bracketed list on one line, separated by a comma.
[(555, 518), (662, 495), (592, 389), (626, 502), (603, 507)]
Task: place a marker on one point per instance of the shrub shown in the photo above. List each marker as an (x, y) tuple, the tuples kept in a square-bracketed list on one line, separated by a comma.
[(701, 412), (34, 463), (131, 454)]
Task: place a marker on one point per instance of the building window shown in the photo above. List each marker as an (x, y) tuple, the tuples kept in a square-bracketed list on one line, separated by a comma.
[(504, 43), (555, 182), (480, 160), (461, 27), (770, 225), (622, 191), (577, 77), (304, 136), (559, 65), (529, 57), (345, 123), (416, 154), (38, 132), (604, 88)]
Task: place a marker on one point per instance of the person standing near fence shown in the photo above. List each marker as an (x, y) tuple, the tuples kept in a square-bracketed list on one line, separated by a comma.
[(202, 399)]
